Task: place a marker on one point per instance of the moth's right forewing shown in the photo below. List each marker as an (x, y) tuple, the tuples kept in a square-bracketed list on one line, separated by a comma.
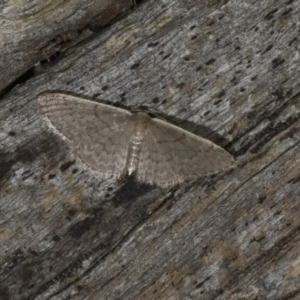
[(100, 133)]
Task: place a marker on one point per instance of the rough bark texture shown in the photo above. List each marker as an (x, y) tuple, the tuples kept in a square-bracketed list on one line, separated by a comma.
[(225, 69), (31, 31)]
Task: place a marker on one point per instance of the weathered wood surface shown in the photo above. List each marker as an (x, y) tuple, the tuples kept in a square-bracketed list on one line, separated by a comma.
[(31, 31), (230, 66)]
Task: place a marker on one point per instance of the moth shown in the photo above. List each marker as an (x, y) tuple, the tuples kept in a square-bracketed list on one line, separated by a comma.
[(117, 143)]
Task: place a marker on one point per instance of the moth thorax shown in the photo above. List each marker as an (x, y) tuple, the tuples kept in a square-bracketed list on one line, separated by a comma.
[(136, 142)]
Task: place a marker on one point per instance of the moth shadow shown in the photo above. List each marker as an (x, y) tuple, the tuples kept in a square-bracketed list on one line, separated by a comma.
[(130, 189)]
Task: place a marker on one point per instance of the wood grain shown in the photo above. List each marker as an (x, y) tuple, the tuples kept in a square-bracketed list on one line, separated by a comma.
[(227, 70), (39, 31)]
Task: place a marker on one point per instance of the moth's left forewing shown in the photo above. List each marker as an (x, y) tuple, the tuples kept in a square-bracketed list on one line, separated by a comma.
[(178, 155)]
